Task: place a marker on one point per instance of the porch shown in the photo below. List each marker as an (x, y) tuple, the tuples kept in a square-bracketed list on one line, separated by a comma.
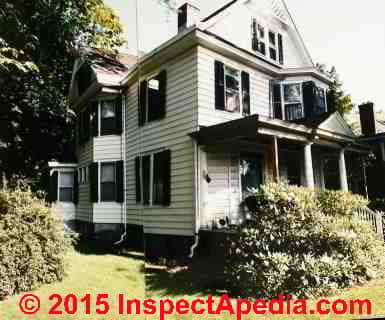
[(239, 156)]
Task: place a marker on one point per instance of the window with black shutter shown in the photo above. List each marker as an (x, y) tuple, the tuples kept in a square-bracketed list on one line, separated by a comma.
[(84, 126), (95, 118), (107, 182), (111, 116), (119, 171), (232, 89), (152, 98), (153, 179)]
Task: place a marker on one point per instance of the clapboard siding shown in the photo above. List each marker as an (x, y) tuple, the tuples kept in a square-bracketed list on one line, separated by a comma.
[(84, 207), (169, 133), (108, 148), (259, 90), (108, 212)]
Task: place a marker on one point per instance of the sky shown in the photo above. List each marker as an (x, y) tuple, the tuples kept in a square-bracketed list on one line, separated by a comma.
[(348, 34)]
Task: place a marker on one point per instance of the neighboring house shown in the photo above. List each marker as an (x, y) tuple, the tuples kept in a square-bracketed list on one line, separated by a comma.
[(170, 143)]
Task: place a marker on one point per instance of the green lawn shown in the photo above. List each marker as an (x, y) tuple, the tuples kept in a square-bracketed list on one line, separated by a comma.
[(114, 274)]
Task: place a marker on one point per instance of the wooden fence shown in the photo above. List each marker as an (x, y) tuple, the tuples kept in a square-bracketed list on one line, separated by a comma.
[(374, 218)]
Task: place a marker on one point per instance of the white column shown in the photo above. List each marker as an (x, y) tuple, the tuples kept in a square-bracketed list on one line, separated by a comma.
[(308, 166), (343, 174)]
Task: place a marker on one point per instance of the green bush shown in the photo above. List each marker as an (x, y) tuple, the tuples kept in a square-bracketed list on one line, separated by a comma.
[(32, 243), (292, 247)]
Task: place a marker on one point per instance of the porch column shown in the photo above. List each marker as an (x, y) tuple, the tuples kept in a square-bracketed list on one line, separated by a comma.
[(342, 168), (272, 160), (308, 166)]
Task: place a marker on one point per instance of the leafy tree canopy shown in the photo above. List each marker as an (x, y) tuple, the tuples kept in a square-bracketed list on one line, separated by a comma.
[(338, 100), (39, 42)]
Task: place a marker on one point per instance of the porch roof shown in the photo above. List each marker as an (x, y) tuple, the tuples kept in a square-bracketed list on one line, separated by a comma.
[(250, 128)]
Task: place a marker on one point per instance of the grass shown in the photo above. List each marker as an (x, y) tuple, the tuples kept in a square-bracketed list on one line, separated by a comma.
[(93, 272), (87, 274)]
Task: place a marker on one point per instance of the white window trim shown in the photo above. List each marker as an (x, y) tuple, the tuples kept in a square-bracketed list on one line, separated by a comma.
[(283, 104), (273, 46), (110, 98), (100, 182), (59, 185)]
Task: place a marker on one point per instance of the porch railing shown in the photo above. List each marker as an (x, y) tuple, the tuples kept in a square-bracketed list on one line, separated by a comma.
[(374, 218)]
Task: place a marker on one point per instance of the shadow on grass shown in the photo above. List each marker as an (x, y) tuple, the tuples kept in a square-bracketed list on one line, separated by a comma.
[(200, 277)]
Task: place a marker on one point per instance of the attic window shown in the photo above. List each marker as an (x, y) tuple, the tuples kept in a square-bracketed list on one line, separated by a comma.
[(272, 45)]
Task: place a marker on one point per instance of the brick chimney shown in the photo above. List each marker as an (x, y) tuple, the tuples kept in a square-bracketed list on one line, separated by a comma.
[(188, 15), (367, 117)]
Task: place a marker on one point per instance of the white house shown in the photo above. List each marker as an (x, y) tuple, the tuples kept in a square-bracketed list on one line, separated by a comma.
[(169, 144)]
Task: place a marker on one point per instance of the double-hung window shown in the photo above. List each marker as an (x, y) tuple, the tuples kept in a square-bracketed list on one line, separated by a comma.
[(107, 117), (107, 182), (153, 179), (232, 89), (272, 45), (66, 186), (152, 98), (293, 101)]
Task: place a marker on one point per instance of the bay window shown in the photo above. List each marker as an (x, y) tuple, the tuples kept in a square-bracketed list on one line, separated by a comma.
[(298, 100)]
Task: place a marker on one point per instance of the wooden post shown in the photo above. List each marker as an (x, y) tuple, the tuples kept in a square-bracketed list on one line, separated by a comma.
[(308, 166), (342, 168), (272, 160)]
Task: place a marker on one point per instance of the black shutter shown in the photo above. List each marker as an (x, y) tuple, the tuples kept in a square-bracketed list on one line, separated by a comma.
[(119, 172), (95, 118), (246, 93), (76, 187), (138, 188), (254, 35), (308, 91), (280, 49), (146, 165), (142, 103), (162, 93), (53, 187), (277, 101), (219, 86), (166, 160), (94, 182), (118, 112)]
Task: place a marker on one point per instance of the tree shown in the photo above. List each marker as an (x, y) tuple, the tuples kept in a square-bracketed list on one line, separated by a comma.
[(337, 99), (39, 42)]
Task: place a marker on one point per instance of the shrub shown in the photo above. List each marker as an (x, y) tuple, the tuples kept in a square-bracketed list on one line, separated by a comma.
[(292, 247), (32, 243), (339, 203)]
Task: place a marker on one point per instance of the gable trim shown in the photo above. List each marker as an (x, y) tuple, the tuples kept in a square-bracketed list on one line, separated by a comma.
[(215, 13), (348, 132)]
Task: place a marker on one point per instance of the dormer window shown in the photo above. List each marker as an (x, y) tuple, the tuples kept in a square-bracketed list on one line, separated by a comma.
[(270, 45)]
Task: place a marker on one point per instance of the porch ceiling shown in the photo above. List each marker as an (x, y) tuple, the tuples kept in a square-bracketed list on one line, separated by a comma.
[(262, 129)]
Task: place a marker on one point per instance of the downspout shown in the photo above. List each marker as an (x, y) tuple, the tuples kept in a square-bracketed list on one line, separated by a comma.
[(124, 157), (196, 200)]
